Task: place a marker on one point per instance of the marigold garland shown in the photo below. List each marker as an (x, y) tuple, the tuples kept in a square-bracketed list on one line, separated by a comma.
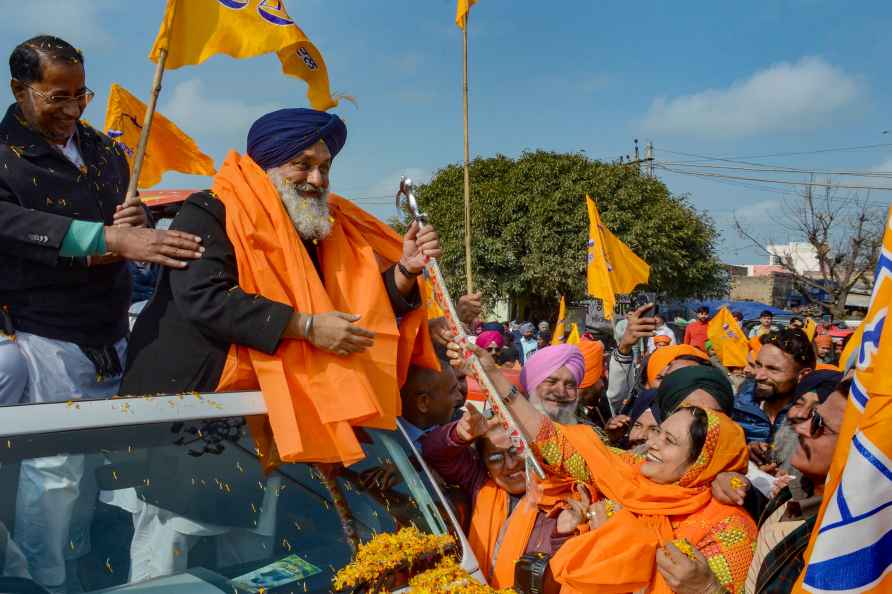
[(449, 577), (387, 552)]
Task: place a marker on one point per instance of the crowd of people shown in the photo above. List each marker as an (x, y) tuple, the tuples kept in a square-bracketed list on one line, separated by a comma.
[(665, 470)]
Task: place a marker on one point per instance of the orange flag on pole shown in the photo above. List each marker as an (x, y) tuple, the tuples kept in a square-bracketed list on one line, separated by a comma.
[(194, 30), (612, 268), (169, 148), (462, 8), (851, 546), (559, 328), (728, 339)]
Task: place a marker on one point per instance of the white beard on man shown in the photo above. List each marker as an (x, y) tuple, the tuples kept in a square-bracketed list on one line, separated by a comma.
[(306, 204)]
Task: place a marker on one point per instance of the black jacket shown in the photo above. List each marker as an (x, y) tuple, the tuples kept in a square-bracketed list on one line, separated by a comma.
[(181, 339), (41, 192)]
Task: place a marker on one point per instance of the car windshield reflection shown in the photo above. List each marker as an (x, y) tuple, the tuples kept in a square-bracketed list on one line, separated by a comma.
[(197, 506)]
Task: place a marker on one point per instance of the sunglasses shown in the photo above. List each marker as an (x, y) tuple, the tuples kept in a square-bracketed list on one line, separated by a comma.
[(819, 426)]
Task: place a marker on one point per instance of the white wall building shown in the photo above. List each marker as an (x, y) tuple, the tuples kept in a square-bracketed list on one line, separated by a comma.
[(803, 255)]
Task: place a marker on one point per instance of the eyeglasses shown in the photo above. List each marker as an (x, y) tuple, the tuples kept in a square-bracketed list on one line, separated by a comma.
[(498, 458), (61, 100), (818, 425)]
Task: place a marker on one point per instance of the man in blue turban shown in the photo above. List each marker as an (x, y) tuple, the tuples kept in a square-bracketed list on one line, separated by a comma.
[(300, 294), (181, 340)]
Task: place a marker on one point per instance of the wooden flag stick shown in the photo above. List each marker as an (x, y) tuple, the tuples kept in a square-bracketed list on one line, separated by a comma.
[(146, 128), (468, 277)]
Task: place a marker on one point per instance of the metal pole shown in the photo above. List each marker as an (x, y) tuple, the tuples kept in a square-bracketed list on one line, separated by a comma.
[(468, 277)]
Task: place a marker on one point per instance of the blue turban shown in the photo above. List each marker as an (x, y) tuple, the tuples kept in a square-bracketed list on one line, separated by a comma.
[(279, 136)]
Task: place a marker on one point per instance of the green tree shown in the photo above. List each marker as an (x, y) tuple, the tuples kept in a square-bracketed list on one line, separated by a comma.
[(530, 227)]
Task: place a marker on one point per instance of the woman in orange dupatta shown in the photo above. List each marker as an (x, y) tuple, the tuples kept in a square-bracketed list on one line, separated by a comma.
[(643, 504)]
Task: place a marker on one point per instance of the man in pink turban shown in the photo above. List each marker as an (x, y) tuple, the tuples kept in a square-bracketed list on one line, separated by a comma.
[(489, 340), (551, 378)]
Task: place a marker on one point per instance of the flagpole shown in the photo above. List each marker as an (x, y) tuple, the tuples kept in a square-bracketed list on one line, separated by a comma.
[(468, 277), (146, 127)]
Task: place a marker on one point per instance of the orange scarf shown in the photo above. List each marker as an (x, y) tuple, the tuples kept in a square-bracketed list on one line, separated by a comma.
[(620, 555), (314, 398), (490, 513)]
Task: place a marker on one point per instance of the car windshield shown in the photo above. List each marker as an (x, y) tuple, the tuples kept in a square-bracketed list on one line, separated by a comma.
[(194, 506)]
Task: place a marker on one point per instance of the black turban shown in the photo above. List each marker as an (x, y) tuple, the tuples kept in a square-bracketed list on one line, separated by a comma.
[(823, 382), (679, 384), (643, 401), (277, 137)]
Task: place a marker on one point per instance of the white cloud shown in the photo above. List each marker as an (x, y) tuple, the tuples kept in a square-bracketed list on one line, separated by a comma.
[(782, 97), (884, 167), (202, 114), (77, 22), (761, 214)]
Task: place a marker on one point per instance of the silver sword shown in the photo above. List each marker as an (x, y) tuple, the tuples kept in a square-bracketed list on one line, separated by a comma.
[(519, 439)]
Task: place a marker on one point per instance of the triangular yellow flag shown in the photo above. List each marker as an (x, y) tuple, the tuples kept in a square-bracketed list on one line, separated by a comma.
[(574, 335), (194, 30), (810, 328), (169, 148), (461, 12), (728, 339), (559, 329), (612, 267)]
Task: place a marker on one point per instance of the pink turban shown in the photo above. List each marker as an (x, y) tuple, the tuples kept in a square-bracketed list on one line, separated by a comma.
[(490, 336), (544, 362)]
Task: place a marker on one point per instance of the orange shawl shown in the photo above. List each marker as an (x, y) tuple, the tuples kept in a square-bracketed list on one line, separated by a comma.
[(620, 555), (314, 398), (490, 513)]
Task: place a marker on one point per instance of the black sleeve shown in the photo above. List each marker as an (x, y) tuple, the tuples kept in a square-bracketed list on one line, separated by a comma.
[(207, 292), (30, 234), (755, 503), (401, 305)]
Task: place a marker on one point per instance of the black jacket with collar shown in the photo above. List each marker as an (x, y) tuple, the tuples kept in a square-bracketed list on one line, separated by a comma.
[(41, 193)]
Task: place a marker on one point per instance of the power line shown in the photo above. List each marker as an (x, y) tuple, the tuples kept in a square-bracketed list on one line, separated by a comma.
[(789, 154), (773, 169), (773, 181)]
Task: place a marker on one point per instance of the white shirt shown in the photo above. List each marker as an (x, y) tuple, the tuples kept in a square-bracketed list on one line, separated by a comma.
[(71, 151), (663, 330)]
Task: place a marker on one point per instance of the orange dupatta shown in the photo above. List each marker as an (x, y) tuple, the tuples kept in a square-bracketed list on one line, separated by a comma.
[(620, 555), (314, 398), (491, 512)]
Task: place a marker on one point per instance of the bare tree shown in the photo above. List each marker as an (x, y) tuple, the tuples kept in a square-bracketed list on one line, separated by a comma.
[(846, 232)]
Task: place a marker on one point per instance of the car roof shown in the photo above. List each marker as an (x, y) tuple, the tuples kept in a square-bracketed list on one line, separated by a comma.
[(25, 419), (156, 198)]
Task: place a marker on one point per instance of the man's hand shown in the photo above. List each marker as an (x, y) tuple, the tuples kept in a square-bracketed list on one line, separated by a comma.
[(337, 333), (469, 308), (456, 356), (439, 329), (760, 452), (730, 488), (130, 214), (617, 427), (637, 328), (168, 248), (419, 246), (685, 575), (473, 425)]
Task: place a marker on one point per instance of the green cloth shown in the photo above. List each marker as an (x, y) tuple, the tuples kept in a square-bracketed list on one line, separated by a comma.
[(679, 384), (84, 238)]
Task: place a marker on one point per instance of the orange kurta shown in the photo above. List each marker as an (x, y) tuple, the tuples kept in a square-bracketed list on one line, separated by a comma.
[(620, 555), (315, 398)]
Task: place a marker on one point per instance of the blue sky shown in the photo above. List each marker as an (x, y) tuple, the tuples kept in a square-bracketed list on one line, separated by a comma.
[(703, 78)]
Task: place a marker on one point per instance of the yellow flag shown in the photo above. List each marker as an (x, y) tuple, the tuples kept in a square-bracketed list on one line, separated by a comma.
[(461, 12), (728, 339), (434, 310), (169, 148), (194, 30), (849, 548), (810, 329), (612, 267), (574, 335), (848, 353), (559, 330)]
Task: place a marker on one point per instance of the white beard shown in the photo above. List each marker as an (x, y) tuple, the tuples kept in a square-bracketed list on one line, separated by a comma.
[(564, 414), (309, 214)]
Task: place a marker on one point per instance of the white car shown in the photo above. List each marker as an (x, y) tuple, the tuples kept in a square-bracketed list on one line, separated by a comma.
[(174, 498)]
